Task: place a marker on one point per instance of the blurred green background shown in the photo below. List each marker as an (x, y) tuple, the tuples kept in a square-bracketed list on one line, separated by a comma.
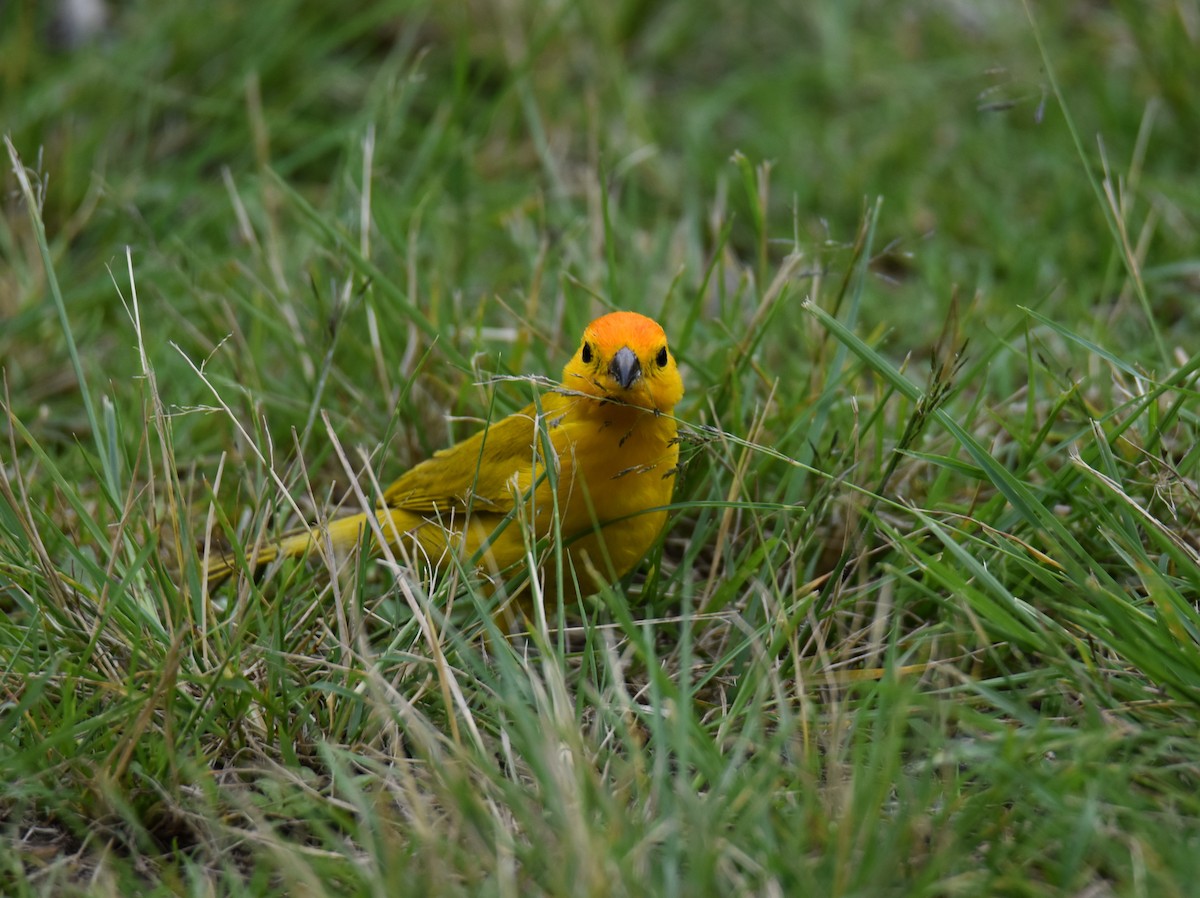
[(496, 124)]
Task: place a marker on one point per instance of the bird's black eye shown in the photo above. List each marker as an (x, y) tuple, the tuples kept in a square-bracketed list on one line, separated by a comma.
[(586, 353), (661, 358)]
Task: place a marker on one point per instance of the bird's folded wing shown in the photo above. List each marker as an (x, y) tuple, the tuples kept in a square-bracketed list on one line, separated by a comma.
[(485, 472)]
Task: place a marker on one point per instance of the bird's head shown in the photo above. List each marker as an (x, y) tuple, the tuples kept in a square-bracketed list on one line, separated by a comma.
[(624, 358)]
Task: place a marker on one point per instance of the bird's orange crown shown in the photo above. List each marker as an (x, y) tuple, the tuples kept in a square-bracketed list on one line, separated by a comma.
[(624, 358)]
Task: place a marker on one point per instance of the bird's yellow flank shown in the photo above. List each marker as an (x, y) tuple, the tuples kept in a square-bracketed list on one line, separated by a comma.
[(608, 470)]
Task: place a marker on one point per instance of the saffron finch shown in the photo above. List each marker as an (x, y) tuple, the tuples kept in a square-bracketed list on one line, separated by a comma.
[(603, 460)]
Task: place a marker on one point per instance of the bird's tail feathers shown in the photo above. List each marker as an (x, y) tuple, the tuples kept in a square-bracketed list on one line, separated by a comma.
[(343, 533)]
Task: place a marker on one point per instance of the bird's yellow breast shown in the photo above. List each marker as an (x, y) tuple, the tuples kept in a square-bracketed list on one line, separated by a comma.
[(616, 471)]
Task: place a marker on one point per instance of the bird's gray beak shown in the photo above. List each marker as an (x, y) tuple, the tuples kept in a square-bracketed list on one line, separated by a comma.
[(625, 367)]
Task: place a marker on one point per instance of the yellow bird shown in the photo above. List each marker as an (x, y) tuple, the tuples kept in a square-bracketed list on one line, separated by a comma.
[(606, 473)]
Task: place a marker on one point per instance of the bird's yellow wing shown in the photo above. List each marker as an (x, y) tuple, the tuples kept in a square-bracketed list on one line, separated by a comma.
[(485, 472)]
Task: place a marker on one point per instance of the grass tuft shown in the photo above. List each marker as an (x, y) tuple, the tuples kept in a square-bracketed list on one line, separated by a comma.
[(924, 621)]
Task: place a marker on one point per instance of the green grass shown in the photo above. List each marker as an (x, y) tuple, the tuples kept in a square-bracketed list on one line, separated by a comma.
[(925, 619)]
